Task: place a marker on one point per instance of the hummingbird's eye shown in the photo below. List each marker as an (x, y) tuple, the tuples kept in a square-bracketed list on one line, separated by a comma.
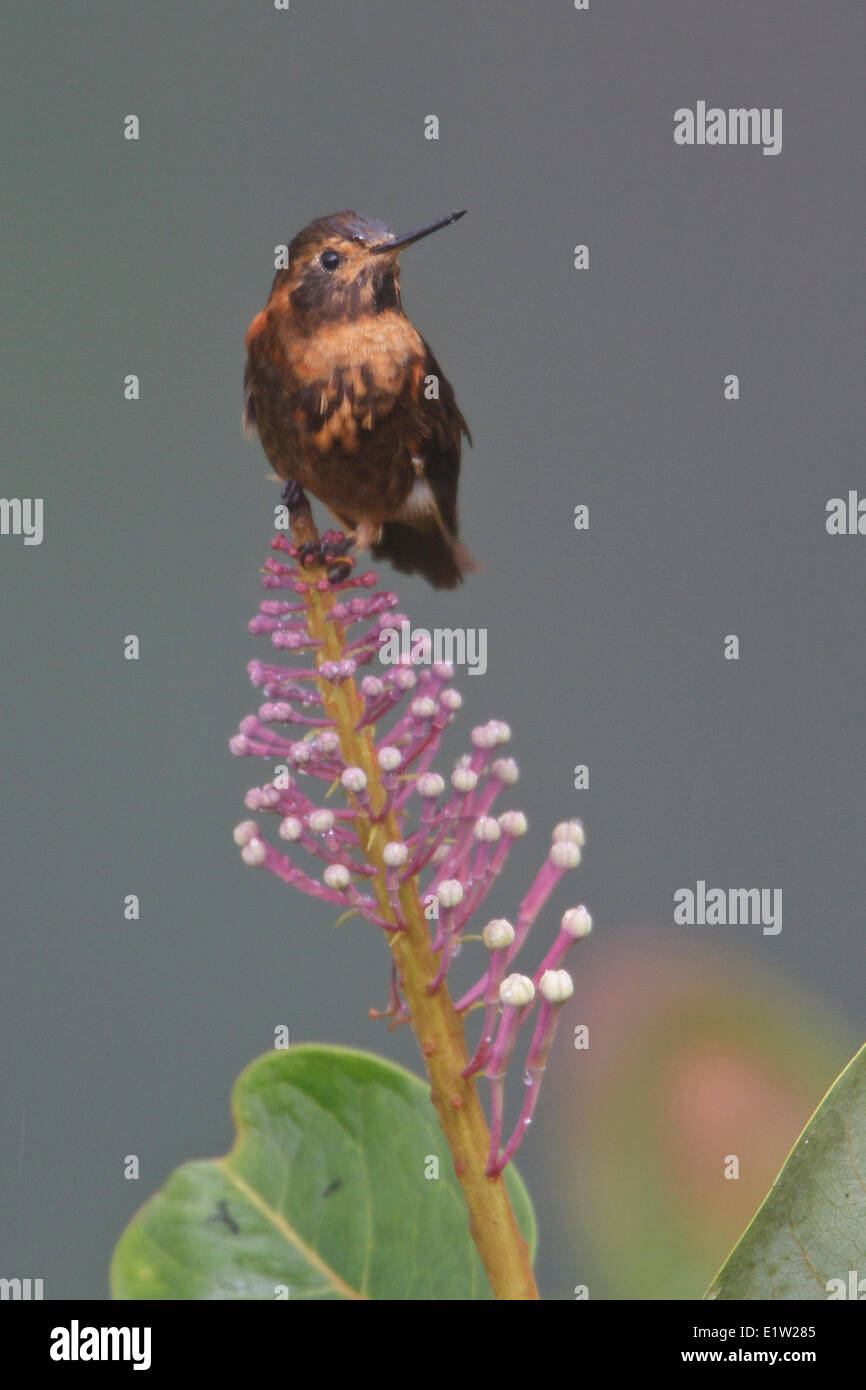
[(330, 259)]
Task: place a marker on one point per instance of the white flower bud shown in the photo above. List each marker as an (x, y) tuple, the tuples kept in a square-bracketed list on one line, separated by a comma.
[(513, 823), (279, 710), (290, 828), (337, 876), (486, 829), (389, 759), (423, 707), (577, 922), (451, 700), (354, 779), (498, 934), (321, 822), (483, 736), (254, 853), (246, 831), (570, 830), (464, 780), (450, 892), (564, 855), (430, 784), (506, 770), (517, 990), (556, 986), (395, 854)]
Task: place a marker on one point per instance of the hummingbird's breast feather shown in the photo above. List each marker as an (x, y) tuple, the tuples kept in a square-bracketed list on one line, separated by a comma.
[(330, 407)]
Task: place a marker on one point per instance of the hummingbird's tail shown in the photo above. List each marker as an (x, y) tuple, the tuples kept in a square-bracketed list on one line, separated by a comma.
[(441, 560)]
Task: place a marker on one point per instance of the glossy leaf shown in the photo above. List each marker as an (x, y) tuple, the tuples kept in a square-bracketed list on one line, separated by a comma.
[(325, 1195), (808, 1238)]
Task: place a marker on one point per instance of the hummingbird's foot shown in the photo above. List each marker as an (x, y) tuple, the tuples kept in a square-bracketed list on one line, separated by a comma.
[(336, 543), (301, 520), (330, 553), (294, 496)]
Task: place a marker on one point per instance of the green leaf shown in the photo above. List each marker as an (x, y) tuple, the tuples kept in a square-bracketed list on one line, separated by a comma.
[(323, 1194), (811, 1227)]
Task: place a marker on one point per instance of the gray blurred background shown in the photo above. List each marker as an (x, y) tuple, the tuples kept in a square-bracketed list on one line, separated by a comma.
[(602, 387)]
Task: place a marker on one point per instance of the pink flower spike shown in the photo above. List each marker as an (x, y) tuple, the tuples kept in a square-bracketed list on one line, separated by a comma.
[(429, 787), (278, 864), (554, 987), (576, 923), (354, 781), (516, 994), (563, 855), (396, 1007), (394, 856), (390, 761), (450, 896), (337, 877), (497, 937)]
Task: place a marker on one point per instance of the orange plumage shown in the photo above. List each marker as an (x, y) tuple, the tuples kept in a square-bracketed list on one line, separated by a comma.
[(349, 402)]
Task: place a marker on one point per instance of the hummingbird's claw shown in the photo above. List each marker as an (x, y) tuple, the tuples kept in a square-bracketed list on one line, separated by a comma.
[(294, 496), (340, 570), (330, 553)]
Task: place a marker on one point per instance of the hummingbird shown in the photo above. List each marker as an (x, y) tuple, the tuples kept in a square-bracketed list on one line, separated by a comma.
[(349, 402)]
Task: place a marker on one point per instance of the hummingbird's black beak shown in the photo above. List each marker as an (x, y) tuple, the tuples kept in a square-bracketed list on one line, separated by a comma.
[(396, 243)]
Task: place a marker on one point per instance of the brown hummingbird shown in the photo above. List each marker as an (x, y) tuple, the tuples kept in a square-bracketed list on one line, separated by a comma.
[(349, 402)]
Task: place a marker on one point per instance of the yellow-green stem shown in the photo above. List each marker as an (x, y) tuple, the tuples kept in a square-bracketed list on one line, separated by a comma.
[(433, 1018)]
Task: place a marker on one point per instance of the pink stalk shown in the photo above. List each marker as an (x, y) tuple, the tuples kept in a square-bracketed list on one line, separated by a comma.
[(555, 987), (516, 993), (497, 937)]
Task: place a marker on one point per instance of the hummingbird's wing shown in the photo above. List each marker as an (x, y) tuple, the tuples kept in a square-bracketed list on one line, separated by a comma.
[(248, 419), (441, 427), (424, 538)]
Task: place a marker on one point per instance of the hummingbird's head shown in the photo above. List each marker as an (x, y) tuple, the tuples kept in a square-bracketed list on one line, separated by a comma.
[(346, 266)]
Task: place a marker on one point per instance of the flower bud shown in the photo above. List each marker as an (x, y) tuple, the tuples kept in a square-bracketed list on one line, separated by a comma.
[(430, 784), (246, 831), (564, 854), (571, 830), (450, 892), (577, 922), (498, 934), (556, 986), (395, 854), (517, 990)]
